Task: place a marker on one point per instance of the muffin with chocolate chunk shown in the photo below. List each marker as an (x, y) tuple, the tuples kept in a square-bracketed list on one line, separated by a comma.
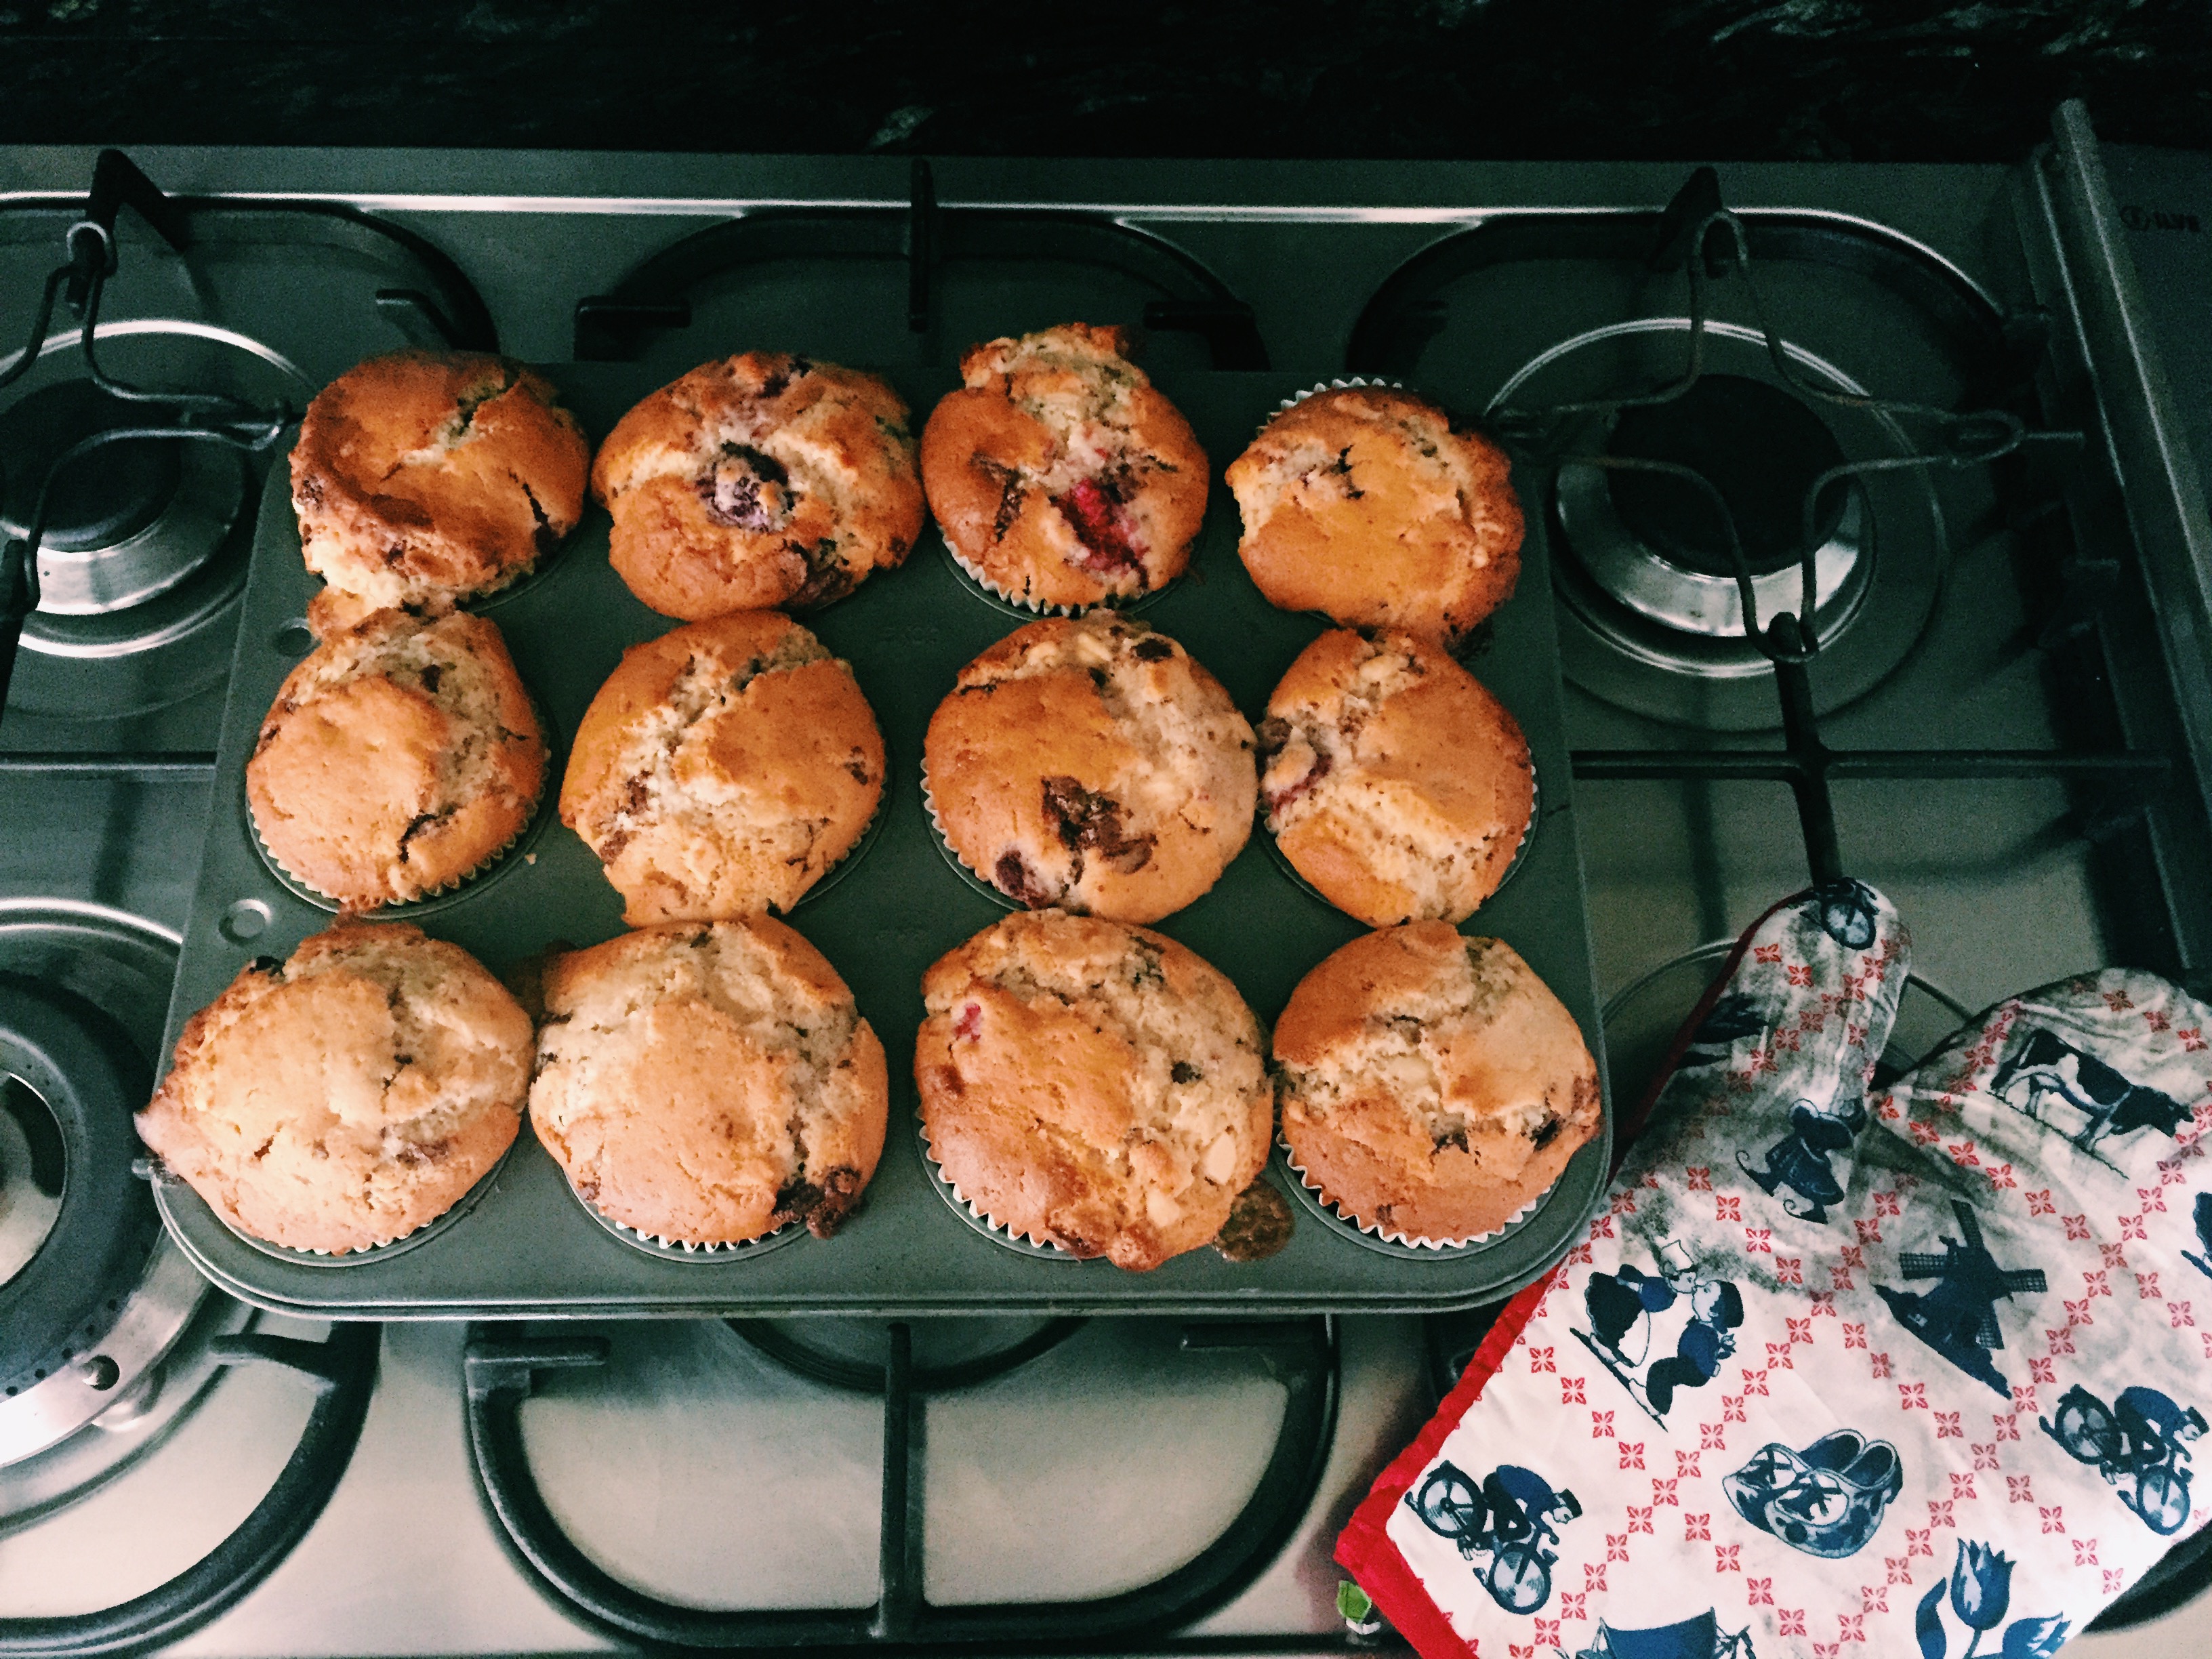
[(1431, 1086), (400, 756), (1363, 503), (723, 768), (426, 477), (1392, 781), (348, 1096), (764, 479), (1092, 1086), (1089, 763), (1059, 475), (708, 1084)]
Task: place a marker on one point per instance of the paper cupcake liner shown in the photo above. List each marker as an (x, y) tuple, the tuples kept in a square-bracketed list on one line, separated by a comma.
[(399, 1244), (1014, 605), (1000, 1233), (1519, 851), (533, 826), (1407, 1246), (682, 1249)]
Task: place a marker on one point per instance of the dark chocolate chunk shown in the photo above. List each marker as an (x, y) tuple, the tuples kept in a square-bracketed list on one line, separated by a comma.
[(1088, 821), (1153, 648), (1183, 1071), (1259, 1224), (823, 1205), (1019, 883)]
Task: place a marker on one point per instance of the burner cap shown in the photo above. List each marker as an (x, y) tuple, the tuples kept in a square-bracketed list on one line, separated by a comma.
[(102, 499), (1757, 445)]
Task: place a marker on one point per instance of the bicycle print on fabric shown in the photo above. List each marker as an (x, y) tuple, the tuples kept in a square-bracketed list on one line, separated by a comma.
[(1974, 1348)]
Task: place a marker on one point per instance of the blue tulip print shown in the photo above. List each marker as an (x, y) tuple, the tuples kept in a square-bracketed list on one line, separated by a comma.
[(1979, 1591)]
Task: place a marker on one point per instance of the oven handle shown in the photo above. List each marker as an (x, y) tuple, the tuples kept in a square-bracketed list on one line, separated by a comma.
[(341, 1368), (502, 1367)]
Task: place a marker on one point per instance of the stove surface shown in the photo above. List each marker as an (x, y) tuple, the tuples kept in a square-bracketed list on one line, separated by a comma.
[(1974, 610)]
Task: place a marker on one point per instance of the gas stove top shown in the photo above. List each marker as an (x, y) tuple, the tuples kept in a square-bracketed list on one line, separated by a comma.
[(2004, 728)]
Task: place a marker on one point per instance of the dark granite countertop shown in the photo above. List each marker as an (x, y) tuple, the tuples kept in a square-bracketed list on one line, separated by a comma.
[(1729, 79)]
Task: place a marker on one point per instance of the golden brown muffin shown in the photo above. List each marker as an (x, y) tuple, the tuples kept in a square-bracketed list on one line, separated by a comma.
[(1090, 762), (399, 755), (1394, 782), (344, 1098), (1364, 504), (1431, 1086), (425, 477), (1090, 1085), (722, 769), (708, 1084), (1059, 475), (761, 480)]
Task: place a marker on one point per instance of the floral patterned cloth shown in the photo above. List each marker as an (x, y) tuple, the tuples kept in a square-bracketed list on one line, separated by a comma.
[(1832, 1375)]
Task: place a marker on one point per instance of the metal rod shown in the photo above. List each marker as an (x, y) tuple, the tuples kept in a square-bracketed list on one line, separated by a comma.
[(899, 1548), (1776, 766), (1801, 730), (136, 766)]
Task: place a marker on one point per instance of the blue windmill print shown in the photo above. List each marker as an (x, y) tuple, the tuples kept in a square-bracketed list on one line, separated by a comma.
[(1958, 1315)]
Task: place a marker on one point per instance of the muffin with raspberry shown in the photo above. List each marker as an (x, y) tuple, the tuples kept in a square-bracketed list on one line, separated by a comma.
[(1059, 475), (764, 479)]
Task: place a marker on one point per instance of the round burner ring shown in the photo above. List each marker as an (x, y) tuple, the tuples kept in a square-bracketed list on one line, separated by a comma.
[(86, 1069), (1689, 601)]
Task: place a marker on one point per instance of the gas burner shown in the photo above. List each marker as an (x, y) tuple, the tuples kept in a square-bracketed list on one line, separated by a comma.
[(146, 547), (124, 524), (1653, 544), (94, 1298)]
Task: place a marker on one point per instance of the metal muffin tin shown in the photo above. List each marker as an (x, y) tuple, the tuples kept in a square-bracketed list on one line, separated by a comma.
[(527, 1248)]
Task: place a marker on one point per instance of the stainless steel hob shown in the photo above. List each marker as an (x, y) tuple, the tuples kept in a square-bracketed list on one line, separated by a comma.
[(2004, 729)]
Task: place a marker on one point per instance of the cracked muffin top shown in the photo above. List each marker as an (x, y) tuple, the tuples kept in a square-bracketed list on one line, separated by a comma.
[(426, 477), (1432, 1085), (764, 479), (1059, 475), (1092, 1086), (399, 755), (348, 1096), (708, 1085), (1363, 503), (1089, 763), (1394, 782), (723, 768)]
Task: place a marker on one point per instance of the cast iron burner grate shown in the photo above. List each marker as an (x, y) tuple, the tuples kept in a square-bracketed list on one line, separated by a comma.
[(502, 1365)]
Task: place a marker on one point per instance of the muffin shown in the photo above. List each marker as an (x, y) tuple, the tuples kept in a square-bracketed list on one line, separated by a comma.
[(431, 476), (1089, 763), (1431, 1086), (344, 1098), (723, 768), (1058, 476), (1393, 781), (1364, 504), (1092, 1086), (761, 480), (708, 1085), (400, 757)]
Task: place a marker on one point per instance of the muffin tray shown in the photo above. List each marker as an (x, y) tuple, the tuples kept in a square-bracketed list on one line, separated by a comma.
[(524, 1246)]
